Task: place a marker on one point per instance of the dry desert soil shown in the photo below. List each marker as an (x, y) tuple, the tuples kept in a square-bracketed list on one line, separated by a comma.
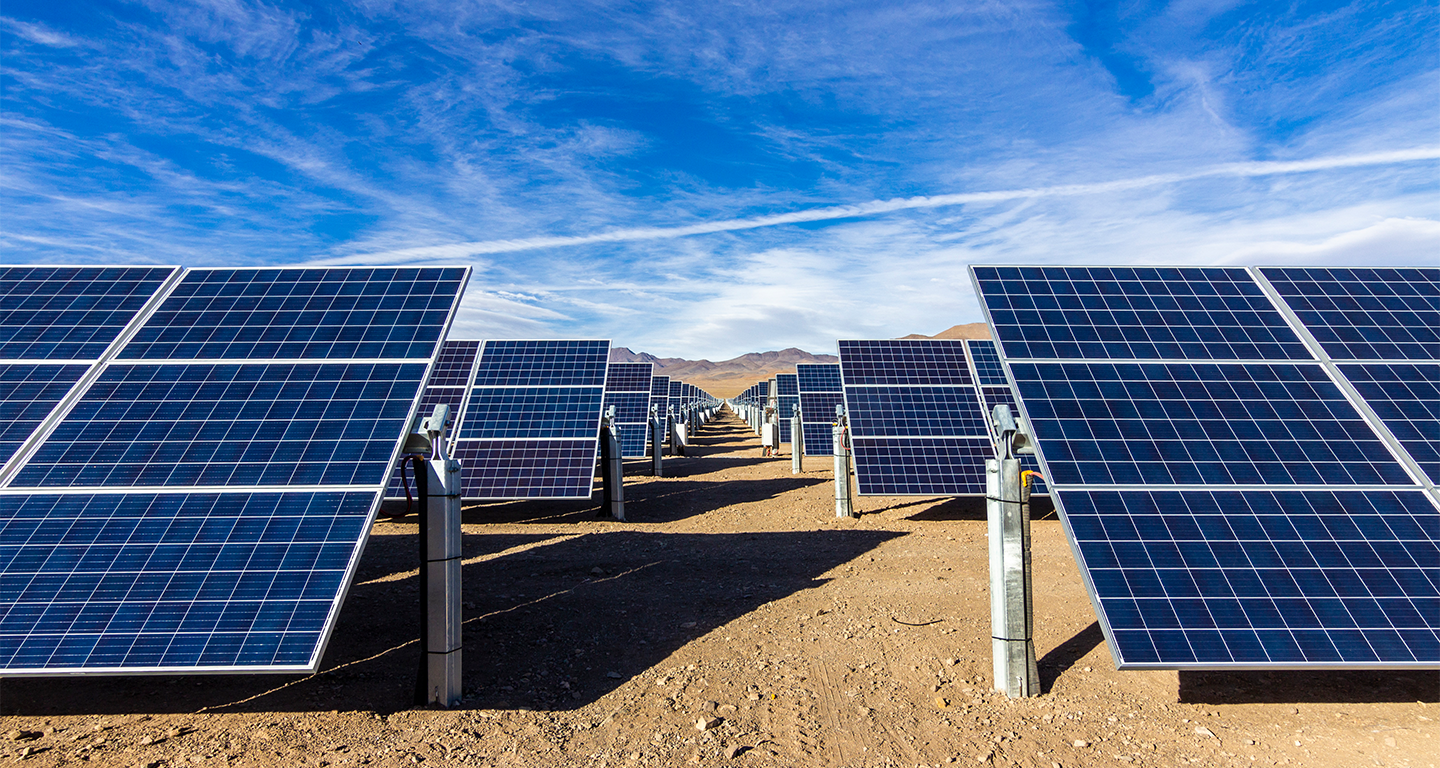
[(734, 621)]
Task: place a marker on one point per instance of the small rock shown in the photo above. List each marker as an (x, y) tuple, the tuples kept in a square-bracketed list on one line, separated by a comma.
[(754, 697), (597, 571), (1201, 730), (706, 723), (940, 701), (984, 757), (726, 709), (951, 662), (708, 706), (1081, 743), (688, 625), (734, 750), (175, 731), (145, 740), (613, 675), (18, 735)]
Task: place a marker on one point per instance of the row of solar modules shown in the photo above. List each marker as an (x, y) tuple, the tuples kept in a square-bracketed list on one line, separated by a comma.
[(1245, 460), (192, 458)]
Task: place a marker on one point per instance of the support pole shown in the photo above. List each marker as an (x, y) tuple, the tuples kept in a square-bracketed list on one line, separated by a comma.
[(612, 468), (843, 505), (797, 442), (440, 536), (657, 439), (1012, 620)]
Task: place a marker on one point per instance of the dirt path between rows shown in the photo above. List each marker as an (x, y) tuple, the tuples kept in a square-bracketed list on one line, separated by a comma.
[(734, 599)]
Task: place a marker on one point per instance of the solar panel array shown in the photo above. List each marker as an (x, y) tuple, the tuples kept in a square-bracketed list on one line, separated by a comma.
[(1236, 497), (820, 391), (916, 427), (627, 387), (448, 384), (787, 388), (198, 500), (532, 421)]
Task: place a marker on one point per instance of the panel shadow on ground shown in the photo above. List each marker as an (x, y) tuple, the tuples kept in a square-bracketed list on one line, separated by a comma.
[(543, 628)]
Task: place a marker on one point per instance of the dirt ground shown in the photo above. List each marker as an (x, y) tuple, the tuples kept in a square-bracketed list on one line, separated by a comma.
[(732, 622)]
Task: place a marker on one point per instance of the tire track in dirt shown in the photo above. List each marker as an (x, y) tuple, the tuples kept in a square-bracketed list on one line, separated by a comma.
[(843, 746)]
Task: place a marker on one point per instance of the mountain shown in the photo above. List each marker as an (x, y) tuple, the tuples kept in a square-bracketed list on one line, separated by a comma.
[(966, 331), (726, 378)]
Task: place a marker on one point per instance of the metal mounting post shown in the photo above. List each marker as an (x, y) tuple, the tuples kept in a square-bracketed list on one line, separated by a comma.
[(1012, 619), (612, 465), (797, 441), (441, 638), (657, 440), (841, 446), (677, 434)]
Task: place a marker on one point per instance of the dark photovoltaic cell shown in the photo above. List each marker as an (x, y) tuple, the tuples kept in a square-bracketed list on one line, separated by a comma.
[(1237, 514), (28, 392), (987, 362), (454, 365), (1365, 314), (526, 469), (904, 362), (628, 377), (301, 314), (1199, 424), (1406, 396), (915, 420), (627, 387), (1135, 313), (230, 425), (820, 392), (172, 580), (787, 386), (70, 313), (143, 571), (543, 363), (532, 424), (926, 466), (1257, 577)]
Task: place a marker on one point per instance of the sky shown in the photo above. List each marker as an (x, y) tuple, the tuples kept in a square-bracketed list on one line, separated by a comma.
[(702, 180)]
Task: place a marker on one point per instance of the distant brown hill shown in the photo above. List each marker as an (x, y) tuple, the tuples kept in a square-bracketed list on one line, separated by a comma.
[(726, 378), (966, 331)]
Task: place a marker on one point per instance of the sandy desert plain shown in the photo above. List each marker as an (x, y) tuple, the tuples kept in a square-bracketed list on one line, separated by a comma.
[(733, 621)]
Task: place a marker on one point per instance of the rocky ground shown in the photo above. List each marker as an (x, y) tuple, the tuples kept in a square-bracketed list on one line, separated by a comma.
[(732, 622)]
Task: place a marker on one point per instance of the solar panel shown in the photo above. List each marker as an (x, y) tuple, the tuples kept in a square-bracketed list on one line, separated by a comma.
[(1229, 504), (660, 392), (532, 421), (448, 384), (787, 387), (820, 391), (205, 515), (1406, 397), (915, 422), (71, 313), (627, 387), (1365, 314)]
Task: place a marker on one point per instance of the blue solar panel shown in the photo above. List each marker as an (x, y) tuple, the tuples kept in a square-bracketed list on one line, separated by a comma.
[(28, 393), (660, 392), (230, 424), (787, 386), (147, 573), (988, 370), (139, 581), (1406, 396), (820, 392), (1231, 514), (924, 466), (543, 363), (627, 387), (301, 314), (70, 313), (1365, 314), (532, 422), (1135, 313), (1203, 424), (915, 420), (454, 365), (1252, 578)]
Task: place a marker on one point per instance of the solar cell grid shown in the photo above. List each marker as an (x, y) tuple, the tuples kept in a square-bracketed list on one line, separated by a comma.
[(926, 466), (1135, 313), (1183, 423), (519, 469), (987, 362), (823, 377), (915, 411), (28, 393), (1406, 396), (820, 392), (1365, 314), (904, 362), (628, 377), (543, 363), (455, 363), (300, 314), (70, 313)]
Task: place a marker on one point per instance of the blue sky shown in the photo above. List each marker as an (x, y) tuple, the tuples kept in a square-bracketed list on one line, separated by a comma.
[(708, 179)]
